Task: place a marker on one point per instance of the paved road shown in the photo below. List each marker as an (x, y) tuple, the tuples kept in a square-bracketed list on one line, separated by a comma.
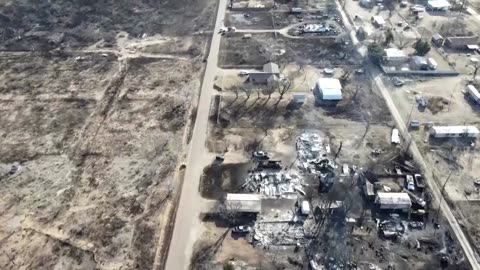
[(190, 205), (376, 75)]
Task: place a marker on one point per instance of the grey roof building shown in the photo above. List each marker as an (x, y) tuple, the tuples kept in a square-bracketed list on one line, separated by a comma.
[(268, 75)]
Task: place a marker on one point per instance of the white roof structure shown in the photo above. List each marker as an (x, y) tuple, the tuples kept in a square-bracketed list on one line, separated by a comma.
[(473, 92), (395, 53), (454, 130), (271, 68), (439, 4), (251, 203), (379, 20), (393, 200), (330, 88)]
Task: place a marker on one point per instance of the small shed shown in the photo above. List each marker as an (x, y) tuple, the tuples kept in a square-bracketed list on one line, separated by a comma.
[(437, 40), (247, 203), (438, 5), (378, 21), (393, 201), (454, 131), (328, 89), (395, 56)]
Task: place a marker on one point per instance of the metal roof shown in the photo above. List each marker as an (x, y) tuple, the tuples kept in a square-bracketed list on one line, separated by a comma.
[(438, 4), (394, 200), (394, 52), (271, 68), (455, 130), (244, 202), (331, 88)]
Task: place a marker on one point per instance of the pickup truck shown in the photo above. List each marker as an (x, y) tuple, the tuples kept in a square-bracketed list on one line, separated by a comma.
[(419, 180)]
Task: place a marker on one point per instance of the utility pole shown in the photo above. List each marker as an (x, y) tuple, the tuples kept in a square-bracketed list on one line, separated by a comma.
[(441, 194)]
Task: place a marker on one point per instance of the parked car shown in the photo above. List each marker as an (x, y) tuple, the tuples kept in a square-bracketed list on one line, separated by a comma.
[(397, 82), (260, 155), (404, 3), (423, 101), (419, 180), (241, 229), (243, 73), (410, 183), (219, 158), (417, 8)]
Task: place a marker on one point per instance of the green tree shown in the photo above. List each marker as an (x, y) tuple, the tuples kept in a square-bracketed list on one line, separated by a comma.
[(375, 52), (389, 36), (421, 47), (228, 266)]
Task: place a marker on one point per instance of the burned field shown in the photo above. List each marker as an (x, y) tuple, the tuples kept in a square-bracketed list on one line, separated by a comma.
[(90, 148), (33, 25), (261, 48)]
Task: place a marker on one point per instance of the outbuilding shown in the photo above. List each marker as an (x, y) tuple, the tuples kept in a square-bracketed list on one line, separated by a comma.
[(393, 201), (245, 203), (438, 5), (328, 90), (461, 42), (438, 40), (269, 74), (454, 131), (395, 56), (378, 21), (473, 93)]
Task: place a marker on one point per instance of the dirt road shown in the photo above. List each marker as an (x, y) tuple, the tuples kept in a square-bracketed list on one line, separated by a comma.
[(190, 204)]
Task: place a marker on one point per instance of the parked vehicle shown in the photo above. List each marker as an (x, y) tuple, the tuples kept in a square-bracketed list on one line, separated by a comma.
[(404, 3), (241, 229), (415, 124), (243, 73), (397, 82), (219, 158), (419, 180), (417, 8), (260, 155), (410, 183), (423, 101), (270, 164)]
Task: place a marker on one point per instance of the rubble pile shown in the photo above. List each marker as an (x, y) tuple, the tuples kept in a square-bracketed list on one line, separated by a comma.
[(313, 154), (282, 233), (274, 184)]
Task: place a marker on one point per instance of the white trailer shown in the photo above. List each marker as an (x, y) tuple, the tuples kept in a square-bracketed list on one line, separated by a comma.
[(454, 131), (473, 92), (395, 136)]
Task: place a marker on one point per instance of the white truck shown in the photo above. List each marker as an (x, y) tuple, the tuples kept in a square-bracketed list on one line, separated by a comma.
[(432, 64)]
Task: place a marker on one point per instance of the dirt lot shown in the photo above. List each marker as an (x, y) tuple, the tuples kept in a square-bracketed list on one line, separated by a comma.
[(92, 133)]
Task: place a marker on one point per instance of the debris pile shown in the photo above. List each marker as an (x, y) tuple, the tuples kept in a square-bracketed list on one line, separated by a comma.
[(274, 184), (313, 158), (282, 233)]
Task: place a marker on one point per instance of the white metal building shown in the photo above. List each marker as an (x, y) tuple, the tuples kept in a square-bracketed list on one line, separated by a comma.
[(378, 21), (395, 55), (473, 92), (454, 131), (249, 203), (393, 200), (328, 89), (439, 5)]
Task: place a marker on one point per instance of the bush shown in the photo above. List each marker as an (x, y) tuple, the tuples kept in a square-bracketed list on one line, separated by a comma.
[(228, 266), (421, 47), (375, 52)]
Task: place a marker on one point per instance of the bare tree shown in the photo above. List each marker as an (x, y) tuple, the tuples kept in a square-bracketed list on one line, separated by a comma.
[(476, 66), (284, 86)]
